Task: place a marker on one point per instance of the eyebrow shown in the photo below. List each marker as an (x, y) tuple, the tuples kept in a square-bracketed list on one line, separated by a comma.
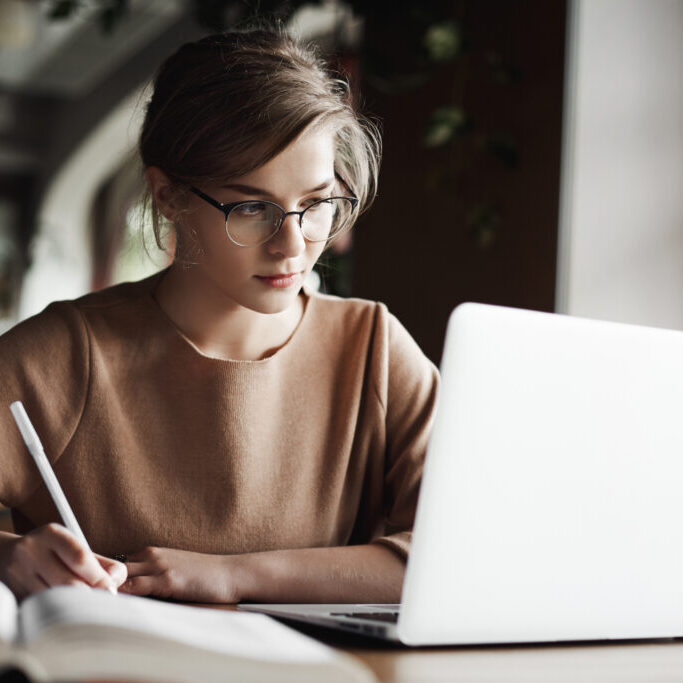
[(256, 191)]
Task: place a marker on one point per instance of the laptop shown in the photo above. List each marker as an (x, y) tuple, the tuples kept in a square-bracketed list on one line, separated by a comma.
[(551, 507)]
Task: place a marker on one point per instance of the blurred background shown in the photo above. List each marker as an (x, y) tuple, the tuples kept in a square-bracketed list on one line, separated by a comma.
[(533, 150)]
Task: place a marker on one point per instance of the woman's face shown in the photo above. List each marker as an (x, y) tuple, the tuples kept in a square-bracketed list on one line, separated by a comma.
[(268, 277)]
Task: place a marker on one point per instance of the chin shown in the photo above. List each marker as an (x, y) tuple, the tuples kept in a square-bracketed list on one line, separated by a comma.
[(275, 302)]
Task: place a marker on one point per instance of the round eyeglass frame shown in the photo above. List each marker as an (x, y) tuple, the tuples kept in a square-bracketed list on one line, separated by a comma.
[(226, 208)]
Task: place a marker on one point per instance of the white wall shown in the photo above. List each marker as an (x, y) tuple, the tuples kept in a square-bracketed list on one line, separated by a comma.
[(61, 251), (621, 216)]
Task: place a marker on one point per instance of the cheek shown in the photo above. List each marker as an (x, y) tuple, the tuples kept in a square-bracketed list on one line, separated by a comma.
[(314, 251), (230, 260)]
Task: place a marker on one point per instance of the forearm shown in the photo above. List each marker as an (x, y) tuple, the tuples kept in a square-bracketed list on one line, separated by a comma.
[(365, 573)]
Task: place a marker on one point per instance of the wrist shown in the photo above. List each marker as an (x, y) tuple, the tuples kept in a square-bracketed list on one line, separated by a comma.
[(249, 573)]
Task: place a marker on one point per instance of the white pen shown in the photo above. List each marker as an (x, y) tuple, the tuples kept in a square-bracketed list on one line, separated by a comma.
[(35, 447)]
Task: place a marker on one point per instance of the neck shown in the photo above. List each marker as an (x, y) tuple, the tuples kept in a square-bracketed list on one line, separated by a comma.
[(217, 325)]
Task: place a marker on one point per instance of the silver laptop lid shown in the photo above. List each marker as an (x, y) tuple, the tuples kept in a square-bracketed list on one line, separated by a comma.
[(552, 501)]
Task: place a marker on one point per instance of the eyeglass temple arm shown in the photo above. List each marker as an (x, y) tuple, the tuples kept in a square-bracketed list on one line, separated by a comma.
[(223, 207), (345, 185)]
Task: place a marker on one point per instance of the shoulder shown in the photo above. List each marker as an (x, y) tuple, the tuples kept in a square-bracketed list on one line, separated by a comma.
[(121, 314), (343, 308), (368, 328), (353, 313), (59, 325), (351, 323), (119, 295), (66, 330), (66, 322), (340, 318), (343, 317)]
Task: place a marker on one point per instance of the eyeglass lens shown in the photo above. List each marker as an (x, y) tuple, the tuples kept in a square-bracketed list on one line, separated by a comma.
[(253, 223)]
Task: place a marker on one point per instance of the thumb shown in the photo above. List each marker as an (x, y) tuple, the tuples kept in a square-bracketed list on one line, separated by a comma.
[(116, 570)]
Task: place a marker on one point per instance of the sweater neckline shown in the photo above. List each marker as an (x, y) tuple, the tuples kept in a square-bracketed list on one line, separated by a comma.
[(194, 350)]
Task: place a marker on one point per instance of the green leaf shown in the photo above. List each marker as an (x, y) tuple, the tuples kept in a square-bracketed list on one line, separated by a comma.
[(484, 222), (445, 124), (442, 41)]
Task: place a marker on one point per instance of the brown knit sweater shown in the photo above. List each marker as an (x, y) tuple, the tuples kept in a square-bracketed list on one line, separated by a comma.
[(320, 444)]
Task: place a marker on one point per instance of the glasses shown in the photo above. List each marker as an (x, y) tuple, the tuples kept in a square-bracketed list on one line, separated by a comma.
[(254, 222)]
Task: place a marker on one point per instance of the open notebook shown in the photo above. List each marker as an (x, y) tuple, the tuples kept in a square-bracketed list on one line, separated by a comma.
[(72, 633)]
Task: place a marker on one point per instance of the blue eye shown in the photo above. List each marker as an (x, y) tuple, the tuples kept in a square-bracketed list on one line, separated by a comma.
[(251, 209)]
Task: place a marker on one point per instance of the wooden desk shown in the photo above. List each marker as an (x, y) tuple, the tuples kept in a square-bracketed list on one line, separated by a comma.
[(633, 663), (654, 661)]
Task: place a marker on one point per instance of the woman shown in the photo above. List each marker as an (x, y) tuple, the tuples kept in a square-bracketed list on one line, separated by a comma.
[(225, 432)]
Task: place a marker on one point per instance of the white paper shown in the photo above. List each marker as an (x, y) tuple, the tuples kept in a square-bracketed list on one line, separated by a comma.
[(8, 615), (254, 636)]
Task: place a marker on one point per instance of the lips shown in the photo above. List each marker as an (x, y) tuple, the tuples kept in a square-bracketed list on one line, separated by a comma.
[(279, 280)]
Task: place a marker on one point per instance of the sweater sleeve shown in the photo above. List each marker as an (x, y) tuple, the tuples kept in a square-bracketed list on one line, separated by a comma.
[(411, 390), (44, 362)]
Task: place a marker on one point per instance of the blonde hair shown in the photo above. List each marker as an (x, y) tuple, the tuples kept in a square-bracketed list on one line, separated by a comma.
[(228, 103)]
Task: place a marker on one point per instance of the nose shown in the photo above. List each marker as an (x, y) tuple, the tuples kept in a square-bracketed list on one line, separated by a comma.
[(289, 240)]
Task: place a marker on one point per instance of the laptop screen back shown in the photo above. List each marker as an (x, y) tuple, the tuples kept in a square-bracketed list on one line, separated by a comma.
[(552, 501)]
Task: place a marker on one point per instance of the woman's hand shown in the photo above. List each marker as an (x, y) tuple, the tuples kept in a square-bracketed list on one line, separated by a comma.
[(183, 575), (52, 556), (363, 573)]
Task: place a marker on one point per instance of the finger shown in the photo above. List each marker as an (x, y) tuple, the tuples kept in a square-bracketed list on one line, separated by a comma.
[(135, 557), (55, 573), (139, 569), (78, 558), (49, 567), (147, 554), (140, 585), (116, 570), (110, 583)]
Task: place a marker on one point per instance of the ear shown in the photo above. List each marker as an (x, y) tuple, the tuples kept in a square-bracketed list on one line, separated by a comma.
[(163, 192)]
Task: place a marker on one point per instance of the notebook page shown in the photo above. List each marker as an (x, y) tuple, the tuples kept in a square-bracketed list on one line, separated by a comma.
[(254, 636), (8, 615)]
